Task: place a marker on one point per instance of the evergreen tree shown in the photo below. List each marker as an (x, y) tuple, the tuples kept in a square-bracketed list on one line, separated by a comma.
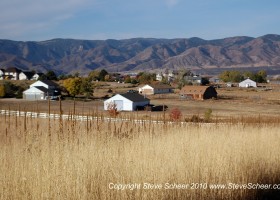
[(102, 75)]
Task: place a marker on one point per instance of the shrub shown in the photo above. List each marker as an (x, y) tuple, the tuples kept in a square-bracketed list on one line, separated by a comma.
[(196, 119), (208, 115), (112, 109), (175, 114)]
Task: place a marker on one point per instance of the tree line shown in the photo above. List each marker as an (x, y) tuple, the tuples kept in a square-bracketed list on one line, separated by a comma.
[(76, 85), (238, 76)]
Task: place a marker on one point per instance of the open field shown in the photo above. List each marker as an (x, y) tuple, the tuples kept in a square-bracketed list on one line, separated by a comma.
[(231, 103), (53, 159)]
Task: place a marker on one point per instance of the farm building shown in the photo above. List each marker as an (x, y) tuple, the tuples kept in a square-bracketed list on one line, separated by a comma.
[(35, 93), (127, 101), (41, 90), (155, 89), (45, 83), (198, 92), (248, 83)]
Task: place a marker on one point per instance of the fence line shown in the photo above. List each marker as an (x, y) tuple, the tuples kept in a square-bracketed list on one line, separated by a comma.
[(90, 118), (74, 117)]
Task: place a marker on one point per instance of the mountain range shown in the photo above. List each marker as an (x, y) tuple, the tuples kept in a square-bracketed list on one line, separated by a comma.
[(142, 54)]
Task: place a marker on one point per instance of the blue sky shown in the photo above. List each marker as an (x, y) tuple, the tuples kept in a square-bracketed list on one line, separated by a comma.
[(37, 20)]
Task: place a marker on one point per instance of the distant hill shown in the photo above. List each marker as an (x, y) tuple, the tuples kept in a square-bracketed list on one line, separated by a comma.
[(139, 54)]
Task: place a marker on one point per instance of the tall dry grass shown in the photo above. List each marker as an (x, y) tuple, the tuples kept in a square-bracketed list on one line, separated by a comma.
[(54, 159)]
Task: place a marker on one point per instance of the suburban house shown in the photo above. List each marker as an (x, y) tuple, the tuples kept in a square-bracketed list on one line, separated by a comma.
[(169, 75), (248, 83), (41, 90), (159, 77), (2, 73), (150, 89), (214, 79), (198, 92), (26, 75), (11, 73), (29, 76), (127, 101), (194, 79), (14, 73), (36, 76)]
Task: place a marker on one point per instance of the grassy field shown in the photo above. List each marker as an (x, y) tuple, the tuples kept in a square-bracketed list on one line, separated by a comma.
[(53, 159)]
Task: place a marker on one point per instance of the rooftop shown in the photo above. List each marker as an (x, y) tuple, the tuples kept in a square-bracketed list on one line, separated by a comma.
[(13, 69), (160, 86), (43, 89), (194, 89), (49, 83), (28, 74), (135, 97)]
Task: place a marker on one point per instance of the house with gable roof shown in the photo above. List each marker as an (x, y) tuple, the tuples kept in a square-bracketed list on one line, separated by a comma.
[(12, 73), (198, 92), (151, 89), (26, 75), (41, 90), (247, 83), (127, 101), (2, 74)]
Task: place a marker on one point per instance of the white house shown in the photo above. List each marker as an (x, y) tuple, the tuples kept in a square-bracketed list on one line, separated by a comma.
[(214, 79), (159, 77), (36, 76), (169, 75), (41, 90), (2, 73), (194, 79), (35, 93), (12, 73), (150, 89), (248, 83), (26, 75), (127, 101)]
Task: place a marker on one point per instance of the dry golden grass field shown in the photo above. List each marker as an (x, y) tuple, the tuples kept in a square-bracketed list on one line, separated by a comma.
[(69, 159)]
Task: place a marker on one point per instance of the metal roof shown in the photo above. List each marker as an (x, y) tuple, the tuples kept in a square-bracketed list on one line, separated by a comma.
[(193, 89), (159, 86), (135, 97)]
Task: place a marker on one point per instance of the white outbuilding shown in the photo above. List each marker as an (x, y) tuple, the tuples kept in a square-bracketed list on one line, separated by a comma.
[(151, 89), (41, 90), (248, 83), (127, 101), (45, 83), (35, 93)]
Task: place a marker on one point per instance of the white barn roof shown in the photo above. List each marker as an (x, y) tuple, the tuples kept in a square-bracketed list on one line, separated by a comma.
[(248, 83)]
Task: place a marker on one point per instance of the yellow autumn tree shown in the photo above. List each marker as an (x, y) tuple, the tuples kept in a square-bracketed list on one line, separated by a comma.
[(73, 85)]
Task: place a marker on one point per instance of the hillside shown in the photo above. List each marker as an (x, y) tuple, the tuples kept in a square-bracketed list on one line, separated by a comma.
[(205, 56)]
